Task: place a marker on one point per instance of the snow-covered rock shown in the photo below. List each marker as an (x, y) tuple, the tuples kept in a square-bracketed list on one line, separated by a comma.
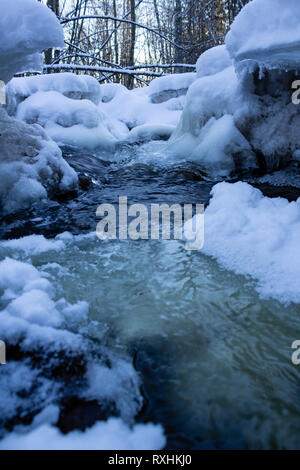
[(170, 86), (26, 29), (31, 165), (78, 87), (67, 121), (207, 132), (212, 61), (266, 32), (134, 108), (263, 45), (110, 90), (147, 132)]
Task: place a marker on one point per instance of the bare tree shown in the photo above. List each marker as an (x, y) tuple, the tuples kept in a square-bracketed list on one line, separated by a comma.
[(132, 41)]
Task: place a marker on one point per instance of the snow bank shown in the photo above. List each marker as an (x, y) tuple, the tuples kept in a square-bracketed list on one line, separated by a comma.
[(27, 28), (110, 435), (267, 31), (264, 42), (30, 296), (78, 87), (255, 236), (31, 165), (213, 61)]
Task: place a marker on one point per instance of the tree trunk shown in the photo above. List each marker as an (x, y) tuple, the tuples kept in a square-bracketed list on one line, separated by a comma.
[(130, 78), (50, 54), (178, 55)]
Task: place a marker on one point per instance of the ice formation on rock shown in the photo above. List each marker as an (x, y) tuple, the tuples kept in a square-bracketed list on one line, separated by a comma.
[(31, 165), (264, 46)]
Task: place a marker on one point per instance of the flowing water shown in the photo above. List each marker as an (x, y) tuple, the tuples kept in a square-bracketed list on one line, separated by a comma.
[(213, 357)]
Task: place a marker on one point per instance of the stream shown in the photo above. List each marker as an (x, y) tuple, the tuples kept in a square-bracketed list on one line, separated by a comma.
[(214, 358)]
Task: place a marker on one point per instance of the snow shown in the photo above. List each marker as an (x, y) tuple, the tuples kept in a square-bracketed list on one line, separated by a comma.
[(247, 83), (79, 87), (27, 28), (153, 110), (110, 435), (221, 148), (170, 86), (67, 121), (30, 295), (213, 61), (48, 329), (147, 132), (255, 236), (134, 108), (33, 244), (267, 31), (207, 132), (31, 165), (110, 90), (66, 106)]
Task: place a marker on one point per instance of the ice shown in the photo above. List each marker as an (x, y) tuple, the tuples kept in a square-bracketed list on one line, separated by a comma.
[(267, 32), (79, 87), (213, 61), (222, 148), (27, 28), (111, 435), (255, 236), (31, 165)]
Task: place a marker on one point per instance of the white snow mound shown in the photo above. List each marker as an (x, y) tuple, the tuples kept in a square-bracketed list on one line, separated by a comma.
[(27, 28)]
